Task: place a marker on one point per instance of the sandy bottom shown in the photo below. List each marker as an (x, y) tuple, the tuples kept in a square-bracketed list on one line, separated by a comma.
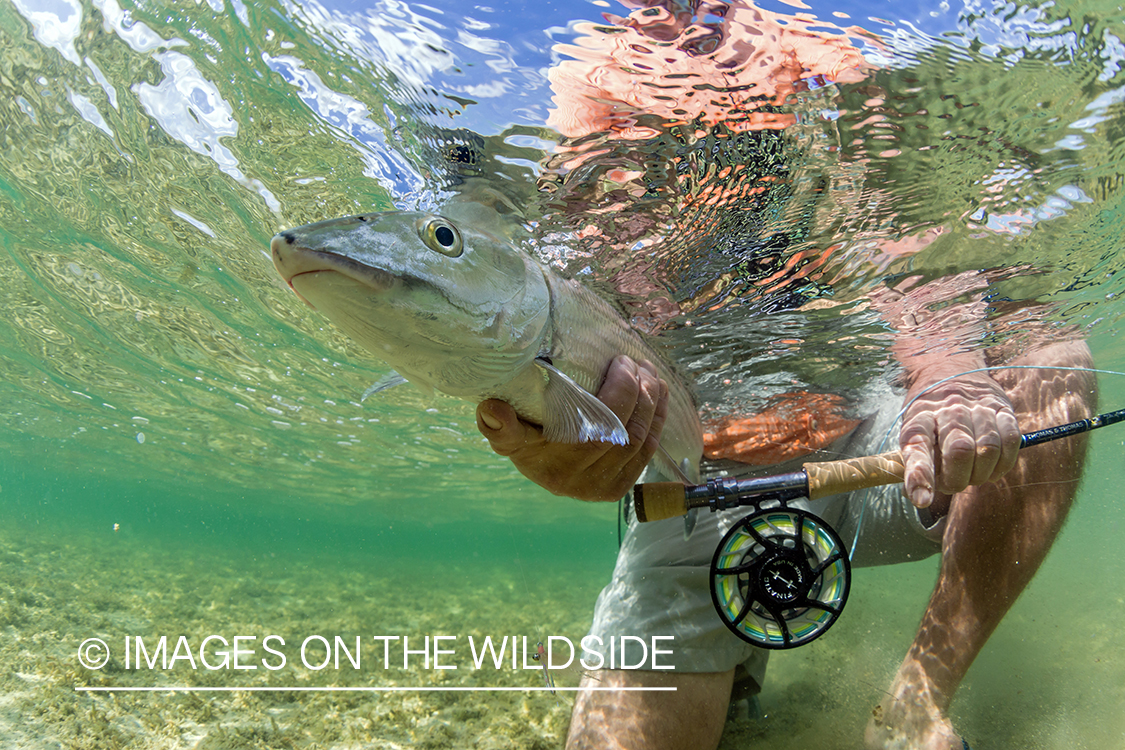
[(1051, 678)]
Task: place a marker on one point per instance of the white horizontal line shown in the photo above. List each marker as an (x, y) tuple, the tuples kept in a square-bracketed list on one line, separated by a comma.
[(185, 689)]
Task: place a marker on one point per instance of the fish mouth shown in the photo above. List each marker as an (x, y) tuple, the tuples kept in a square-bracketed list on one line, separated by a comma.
[(292, 260)]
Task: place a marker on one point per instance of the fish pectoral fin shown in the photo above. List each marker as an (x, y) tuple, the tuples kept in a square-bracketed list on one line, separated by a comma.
[(390, 380), (689, 523), (573, 415), (670, 468)]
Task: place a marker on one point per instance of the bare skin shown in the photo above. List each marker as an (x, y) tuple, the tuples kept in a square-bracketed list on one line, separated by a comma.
[(599, 472), (960, 439), (691, 717), (1003, 509), (997, 534)]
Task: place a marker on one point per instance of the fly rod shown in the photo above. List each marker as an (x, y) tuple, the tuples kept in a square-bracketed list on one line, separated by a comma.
[(655, 501)]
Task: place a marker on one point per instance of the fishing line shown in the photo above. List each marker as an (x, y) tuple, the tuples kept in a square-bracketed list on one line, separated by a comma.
[(781, 575), (868, 493), (621, 506), (527, 587), (994, 368)]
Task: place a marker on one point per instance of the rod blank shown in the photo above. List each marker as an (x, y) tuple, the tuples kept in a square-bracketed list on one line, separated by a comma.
[(656, 501)]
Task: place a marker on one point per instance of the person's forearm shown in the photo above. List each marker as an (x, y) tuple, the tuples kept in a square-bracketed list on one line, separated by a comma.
[(927, 368), (963, 431), (932, 339)]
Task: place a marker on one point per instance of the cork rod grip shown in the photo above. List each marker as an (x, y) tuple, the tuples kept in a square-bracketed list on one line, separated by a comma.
[(656, 501), (835, 477)]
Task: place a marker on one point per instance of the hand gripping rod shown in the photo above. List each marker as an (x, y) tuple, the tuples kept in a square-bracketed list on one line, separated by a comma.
[(655, 501)]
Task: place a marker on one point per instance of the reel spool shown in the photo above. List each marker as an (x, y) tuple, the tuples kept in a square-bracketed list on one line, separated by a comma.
[(780, 578)]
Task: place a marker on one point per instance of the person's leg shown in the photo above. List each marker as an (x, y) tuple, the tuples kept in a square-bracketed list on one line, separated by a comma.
[(691, 718), (996, 536)]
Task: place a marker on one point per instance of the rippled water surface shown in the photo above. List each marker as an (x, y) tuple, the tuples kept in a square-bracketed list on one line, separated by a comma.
[(745, 181), (151, 152)]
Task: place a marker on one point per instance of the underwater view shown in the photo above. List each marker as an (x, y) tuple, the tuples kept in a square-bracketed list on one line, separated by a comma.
[(215, 533)]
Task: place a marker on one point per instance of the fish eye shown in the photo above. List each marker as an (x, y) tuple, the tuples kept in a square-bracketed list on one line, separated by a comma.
[(441, 236)]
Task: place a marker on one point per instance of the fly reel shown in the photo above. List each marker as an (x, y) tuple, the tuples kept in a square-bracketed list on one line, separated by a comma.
[(780, 578)]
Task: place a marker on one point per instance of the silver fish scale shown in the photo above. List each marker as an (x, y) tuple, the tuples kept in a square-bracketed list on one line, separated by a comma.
[(587, 333)]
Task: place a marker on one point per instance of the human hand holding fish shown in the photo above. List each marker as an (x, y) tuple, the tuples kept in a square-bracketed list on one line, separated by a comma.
[(594, 471), (455, 309)]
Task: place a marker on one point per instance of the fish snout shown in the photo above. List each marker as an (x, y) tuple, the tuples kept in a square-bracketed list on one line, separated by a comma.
[(287, 257), (314, 247), (308, 256), (282, 252)]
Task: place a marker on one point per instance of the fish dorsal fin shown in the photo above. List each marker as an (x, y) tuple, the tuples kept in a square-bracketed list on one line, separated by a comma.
[(575, 416), (390, 380)]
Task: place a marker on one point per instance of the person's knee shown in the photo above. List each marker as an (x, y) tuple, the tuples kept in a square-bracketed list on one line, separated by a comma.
[(688, 714)]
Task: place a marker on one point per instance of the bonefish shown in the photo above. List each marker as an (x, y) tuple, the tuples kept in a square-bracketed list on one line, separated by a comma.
[(454, 308)]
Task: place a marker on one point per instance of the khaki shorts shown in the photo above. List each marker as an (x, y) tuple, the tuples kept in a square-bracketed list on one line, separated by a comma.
[(660, 586)]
